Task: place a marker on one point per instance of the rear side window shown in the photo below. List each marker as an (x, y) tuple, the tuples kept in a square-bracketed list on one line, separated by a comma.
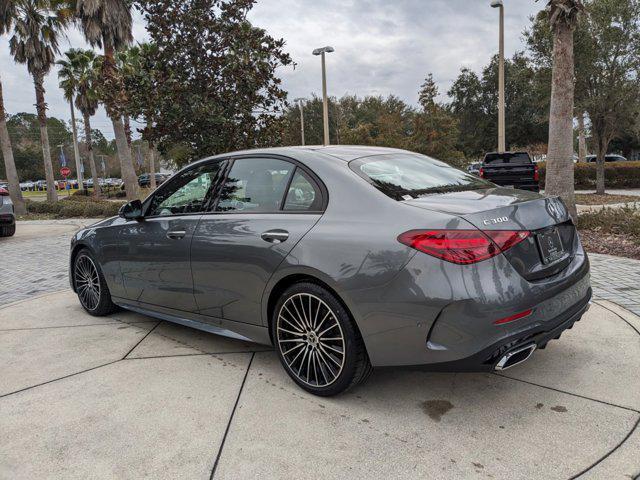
[(303, 195), (255, 185), (507, 158), (405, 176)]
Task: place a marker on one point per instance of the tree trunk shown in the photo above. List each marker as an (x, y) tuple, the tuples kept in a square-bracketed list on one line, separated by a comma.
[(9, 163), (127, 129), (582, 140), (603, 146), (92, 160), (41, 107), (152, 167), (128, 172), (560, 173), (126, 163), (76, 150)]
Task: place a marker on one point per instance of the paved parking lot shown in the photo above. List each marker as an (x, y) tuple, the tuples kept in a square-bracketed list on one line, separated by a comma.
[(127, 396)]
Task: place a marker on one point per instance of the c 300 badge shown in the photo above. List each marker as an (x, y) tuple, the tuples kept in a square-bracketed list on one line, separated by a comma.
[(495, 221)]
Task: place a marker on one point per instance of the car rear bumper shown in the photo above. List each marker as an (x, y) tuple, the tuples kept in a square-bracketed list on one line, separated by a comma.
[(538, 335)]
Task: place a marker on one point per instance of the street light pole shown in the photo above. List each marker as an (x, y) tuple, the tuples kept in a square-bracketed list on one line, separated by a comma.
[(325, 101), (299, 102), (502, 142)]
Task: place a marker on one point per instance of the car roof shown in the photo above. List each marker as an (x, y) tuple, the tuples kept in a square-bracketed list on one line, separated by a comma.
[(342, 152)]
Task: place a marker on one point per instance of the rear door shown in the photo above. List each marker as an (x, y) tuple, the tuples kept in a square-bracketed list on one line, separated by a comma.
[(264, 207), (155, 252)]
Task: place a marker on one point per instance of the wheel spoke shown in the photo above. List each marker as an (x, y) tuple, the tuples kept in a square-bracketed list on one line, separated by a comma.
[(326, 330), (290, 332), (292, 349), (299, 317), (298, 325)]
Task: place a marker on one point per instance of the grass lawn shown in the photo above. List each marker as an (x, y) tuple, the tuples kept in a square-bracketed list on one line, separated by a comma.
[(606, 199)]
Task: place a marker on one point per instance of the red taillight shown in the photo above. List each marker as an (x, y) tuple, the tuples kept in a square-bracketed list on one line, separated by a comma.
[(3, 192), (536, 173), (481, 173), (462, 246), (513, 318)]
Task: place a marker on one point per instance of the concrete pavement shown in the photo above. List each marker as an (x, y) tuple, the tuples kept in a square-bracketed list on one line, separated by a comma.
[(127, 396)]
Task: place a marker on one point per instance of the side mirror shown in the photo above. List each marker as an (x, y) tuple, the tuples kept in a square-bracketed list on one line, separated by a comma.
[(131, 210)]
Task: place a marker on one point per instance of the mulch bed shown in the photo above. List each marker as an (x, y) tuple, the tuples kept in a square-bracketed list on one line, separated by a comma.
[(610, 243), (606, 199)]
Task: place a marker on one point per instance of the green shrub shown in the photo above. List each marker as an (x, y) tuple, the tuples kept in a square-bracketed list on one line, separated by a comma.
[(43, 207), (93, 209), (616, 175), (78, 207), (111, 209), (71, 209)]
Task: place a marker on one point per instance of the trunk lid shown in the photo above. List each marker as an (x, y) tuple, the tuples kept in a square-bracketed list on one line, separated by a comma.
[(509, 209)]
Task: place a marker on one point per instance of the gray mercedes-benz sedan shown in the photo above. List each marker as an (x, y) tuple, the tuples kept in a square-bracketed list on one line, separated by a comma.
[(344, 259)]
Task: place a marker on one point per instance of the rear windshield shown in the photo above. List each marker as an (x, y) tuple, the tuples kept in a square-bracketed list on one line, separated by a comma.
[(510, 158), (405, 176)]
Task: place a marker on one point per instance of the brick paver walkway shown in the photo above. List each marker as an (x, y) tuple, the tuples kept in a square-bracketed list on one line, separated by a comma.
[(32, 266)]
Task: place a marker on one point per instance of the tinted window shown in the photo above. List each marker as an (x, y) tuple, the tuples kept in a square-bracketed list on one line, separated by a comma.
[(187, 193), (402, 175), (507, 158), (255, 185), (303, 194)]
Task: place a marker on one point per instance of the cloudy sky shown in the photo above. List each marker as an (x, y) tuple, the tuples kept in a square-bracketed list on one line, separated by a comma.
[(382, 47)]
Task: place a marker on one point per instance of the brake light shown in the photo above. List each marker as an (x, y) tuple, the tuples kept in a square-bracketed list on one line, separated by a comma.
[(536, 173), (463, 247), (481, 172), (3, 192)]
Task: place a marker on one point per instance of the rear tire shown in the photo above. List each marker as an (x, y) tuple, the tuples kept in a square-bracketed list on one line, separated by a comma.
[(317, 342), (90, 285), (8, 230)]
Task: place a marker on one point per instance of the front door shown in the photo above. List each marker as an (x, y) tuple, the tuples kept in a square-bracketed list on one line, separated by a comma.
[(266, 206), (155, 262)]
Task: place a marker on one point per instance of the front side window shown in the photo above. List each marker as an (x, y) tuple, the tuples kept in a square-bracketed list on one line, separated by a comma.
[(187, 193), (405, 176), (255, 185)]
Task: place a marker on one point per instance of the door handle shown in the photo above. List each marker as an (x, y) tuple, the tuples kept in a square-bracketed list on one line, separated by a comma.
[(176, 234), (275, 236)]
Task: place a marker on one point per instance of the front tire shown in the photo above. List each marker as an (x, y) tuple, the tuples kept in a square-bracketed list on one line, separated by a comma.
[(91, 286), (317, 342)]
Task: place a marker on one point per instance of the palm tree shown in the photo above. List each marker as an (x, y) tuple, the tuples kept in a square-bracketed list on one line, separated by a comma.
[(37, 25), (7, 12), (563, 19), (107, 24), (77, 76)]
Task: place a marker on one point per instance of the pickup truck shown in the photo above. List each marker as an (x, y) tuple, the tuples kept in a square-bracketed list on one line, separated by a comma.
[(511, 169)]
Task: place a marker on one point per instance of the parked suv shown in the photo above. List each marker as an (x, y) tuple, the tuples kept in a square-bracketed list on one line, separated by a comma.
[(7, 216), (511, 169)]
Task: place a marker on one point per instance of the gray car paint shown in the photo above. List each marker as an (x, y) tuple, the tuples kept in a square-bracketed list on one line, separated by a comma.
[(411, 308)]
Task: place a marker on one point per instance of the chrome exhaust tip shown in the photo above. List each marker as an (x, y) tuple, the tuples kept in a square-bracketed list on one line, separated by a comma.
[(515, 357)]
